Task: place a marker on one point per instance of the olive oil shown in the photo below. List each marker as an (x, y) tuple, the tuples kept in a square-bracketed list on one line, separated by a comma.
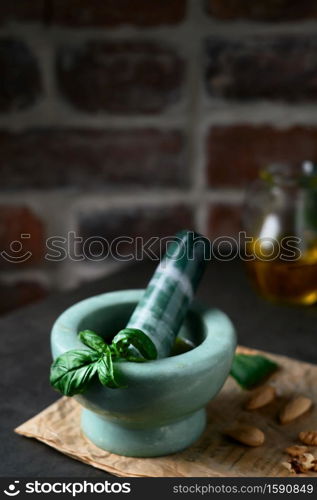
[(280, 220), (293, 282)]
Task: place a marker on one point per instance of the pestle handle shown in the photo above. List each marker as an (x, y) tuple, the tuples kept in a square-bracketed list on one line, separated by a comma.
[(162, 309)]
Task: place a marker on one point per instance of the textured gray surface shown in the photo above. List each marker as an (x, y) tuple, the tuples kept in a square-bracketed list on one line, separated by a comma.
[(25, 355)]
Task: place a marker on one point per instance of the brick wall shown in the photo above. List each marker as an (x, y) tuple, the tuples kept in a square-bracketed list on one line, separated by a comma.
[(138, 118)]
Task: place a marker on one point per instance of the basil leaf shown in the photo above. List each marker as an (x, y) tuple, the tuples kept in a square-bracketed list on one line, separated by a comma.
[(250, 370), (72, 371), (133, 337), (105, 370), (92, 340)]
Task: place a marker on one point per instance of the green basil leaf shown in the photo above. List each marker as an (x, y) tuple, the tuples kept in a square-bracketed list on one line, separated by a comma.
[(106, 371), (136, 338), (92, 340), (72, 371), (250, 370)]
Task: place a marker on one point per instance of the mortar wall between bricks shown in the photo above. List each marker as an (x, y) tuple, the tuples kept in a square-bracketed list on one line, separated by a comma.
[(188, 110)]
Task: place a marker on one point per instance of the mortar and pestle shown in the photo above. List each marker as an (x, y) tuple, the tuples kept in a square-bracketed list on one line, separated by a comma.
[(159, 407)]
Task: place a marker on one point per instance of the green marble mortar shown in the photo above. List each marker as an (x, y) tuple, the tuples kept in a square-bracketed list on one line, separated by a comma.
[(161, 410)]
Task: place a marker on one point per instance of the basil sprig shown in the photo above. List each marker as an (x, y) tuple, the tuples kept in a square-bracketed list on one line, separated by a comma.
[(72, 372)]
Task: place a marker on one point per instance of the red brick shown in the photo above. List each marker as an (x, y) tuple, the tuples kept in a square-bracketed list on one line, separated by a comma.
[(93, 159), (235, 154), (144, 222), (259, 10), (20, 85), (275, 67), (15, 224), (123, 77), (19, 294), (224, 220), (22, 11), (111, 13)]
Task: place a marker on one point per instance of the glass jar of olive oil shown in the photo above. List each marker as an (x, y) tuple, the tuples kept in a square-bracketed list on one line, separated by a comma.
[(280, 220)]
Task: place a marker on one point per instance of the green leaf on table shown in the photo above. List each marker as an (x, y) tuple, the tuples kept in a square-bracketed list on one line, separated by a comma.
[(92, 340), (250, 370), (139, 340), (73, 371)]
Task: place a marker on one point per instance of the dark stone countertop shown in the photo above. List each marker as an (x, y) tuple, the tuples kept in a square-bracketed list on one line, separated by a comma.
[(25, 354)]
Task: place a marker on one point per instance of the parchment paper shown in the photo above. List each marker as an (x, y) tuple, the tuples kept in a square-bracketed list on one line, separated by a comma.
[(214, 454)]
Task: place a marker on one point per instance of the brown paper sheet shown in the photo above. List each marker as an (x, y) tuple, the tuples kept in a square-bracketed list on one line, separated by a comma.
[(213, 455)]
